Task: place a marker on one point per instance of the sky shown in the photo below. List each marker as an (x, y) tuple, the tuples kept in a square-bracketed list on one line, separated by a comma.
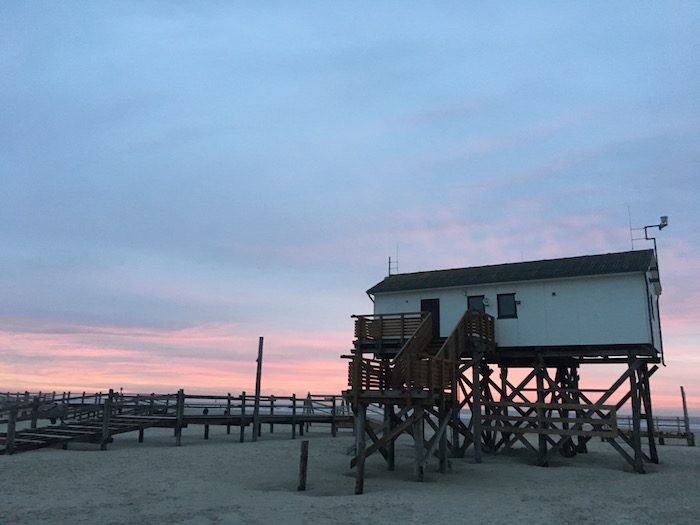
[(179, 179)]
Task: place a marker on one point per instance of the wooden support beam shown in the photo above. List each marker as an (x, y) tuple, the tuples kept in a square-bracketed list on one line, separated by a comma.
[(476, 410), (390, 449), (360, 421), (395, 432), (418, 446), (636, 415)]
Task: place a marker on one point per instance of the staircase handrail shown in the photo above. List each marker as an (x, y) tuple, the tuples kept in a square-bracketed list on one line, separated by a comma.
[(475, 328)]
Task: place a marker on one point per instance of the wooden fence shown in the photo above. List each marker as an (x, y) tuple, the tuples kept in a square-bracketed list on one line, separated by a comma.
[(664, 428), (97, 417)]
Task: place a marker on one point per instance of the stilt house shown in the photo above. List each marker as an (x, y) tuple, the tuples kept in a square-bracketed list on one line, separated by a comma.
[(429, 351), (598, 304)]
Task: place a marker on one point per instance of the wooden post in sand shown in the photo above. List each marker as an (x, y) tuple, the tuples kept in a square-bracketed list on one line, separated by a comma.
[(256, 408), (36, 402), (228, 412), (690, 436), (180, 410), (304, 459), (294, 416), (242, 439), (106, 409), (11, 424)]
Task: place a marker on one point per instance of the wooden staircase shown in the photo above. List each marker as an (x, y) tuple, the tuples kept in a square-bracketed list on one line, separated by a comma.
[(416, 385)]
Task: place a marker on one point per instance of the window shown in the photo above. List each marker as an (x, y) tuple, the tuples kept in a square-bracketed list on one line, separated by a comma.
[(507, 306), (475, 302)]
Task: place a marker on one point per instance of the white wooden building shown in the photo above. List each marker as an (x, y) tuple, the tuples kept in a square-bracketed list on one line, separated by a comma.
[(607, 302)]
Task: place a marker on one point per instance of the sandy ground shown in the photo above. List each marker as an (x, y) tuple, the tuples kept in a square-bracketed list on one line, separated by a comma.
[(223, 481)]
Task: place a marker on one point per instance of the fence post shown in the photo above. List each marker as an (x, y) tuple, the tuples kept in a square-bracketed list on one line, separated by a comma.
[(228, 412), (256, 407), (180, 410), (11, 424), (242, 439), (36, 402), (688, 434), (106, 409), (294, 416), (334, 428)]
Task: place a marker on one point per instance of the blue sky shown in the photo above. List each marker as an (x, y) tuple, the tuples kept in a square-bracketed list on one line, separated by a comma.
[(178, 179)]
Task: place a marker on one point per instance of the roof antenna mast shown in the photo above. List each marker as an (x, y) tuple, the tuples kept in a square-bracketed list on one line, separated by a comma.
[(394, 265)]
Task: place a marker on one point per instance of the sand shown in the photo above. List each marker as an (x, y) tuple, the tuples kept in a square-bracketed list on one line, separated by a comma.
[(222, 481)]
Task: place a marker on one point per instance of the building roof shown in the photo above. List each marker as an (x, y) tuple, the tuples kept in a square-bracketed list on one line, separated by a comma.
[(587, 265)]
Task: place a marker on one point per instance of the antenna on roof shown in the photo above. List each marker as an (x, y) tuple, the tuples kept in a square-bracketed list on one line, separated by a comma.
[(394, 265), (629, 216)]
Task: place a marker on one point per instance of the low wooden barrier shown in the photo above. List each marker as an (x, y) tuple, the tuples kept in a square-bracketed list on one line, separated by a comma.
[(664, 428), (95, 418)]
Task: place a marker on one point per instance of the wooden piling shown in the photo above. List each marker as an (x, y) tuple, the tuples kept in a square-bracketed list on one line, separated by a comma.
[(36, 403), (334, 425), (418, 446), (11, 426), (689, 435), (180, 411), (360, 416), (242, 438), (106, 409), (476, 408), (228, 412), (256, 408), (294, 416), (303, 461)]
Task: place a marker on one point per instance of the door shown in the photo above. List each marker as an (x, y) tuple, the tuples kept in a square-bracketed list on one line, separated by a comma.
[(432, 306)]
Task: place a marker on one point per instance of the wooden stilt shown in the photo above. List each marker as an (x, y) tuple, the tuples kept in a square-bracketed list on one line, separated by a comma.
[(542, 438), (360, 416), (636, 415), (476, 409), (418, 444), (390, 449)]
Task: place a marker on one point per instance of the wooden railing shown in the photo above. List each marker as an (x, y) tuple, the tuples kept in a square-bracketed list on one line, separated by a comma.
[(409, 335), (664, 428), (474, 329), (430, 373), (138, 411), (382, 332)]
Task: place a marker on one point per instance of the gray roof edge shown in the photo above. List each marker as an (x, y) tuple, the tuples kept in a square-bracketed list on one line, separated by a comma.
[(650, 263)]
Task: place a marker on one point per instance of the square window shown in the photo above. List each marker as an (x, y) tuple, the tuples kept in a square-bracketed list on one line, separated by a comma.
[(507, 308), (476, 302)]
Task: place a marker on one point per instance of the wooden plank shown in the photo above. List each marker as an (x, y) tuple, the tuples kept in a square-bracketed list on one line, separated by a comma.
[(559, 431)]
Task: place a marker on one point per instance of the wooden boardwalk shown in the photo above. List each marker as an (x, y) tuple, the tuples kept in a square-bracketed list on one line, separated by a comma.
[(96, 418)]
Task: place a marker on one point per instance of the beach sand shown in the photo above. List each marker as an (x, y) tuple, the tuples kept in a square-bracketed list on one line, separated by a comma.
[(221, 481)]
